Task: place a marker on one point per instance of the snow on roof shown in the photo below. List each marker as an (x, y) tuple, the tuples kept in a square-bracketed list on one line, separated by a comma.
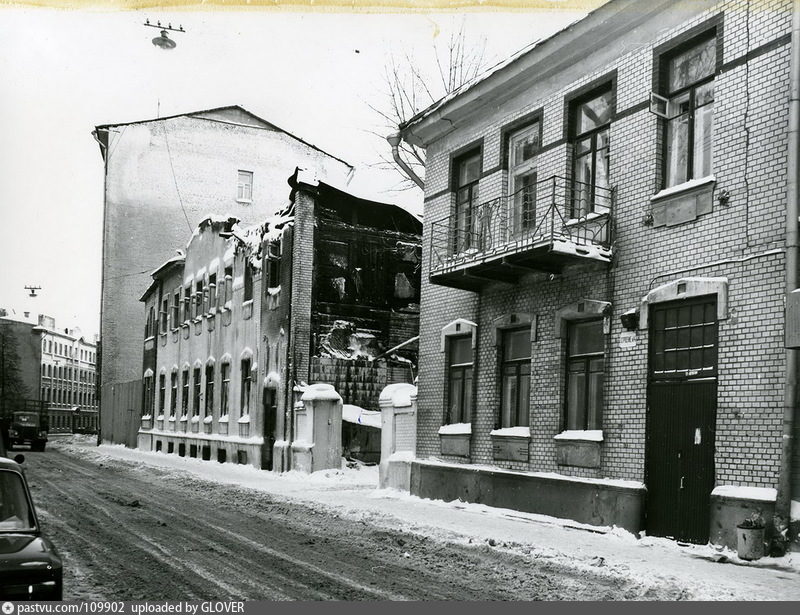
[(359, 416), (198, 114), (399, 394)]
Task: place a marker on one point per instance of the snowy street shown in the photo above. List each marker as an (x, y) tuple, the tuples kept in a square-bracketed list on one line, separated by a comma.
[(134, 526)]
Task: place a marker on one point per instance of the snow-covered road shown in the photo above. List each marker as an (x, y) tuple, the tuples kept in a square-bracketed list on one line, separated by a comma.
[(202, 529)]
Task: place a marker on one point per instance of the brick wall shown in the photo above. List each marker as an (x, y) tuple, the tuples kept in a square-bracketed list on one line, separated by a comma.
[(749, 162)]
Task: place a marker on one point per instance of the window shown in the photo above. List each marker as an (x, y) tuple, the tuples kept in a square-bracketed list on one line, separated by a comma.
[(247, 380), (162, 385), (209, 390), (244, 189), (176, 308), (585, 368), (187, 300), (163, 315), (185, 387), (228, 283), (248, 281), (590, 121), (148, 395), (688, 111), (516, 383), (459, 377), (522, 148), (198, 299), (224, 391), (274, 264), (467, 172), (212, 292), (197, 389)]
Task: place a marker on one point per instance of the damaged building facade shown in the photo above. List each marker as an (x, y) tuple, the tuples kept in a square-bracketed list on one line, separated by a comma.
[(604, 262), (162, 178), (239, 325)]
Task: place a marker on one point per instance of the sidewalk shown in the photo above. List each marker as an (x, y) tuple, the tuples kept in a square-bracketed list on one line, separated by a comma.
[(705, 572)]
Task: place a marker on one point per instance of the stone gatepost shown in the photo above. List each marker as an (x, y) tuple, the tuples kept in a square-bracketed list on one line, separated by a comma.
[(317, 443), (398, 435)]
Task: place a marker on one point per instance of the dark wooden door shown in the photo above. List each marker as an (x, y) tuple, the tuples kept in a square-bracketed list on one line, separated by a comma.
[(270, 423), (681, 419)]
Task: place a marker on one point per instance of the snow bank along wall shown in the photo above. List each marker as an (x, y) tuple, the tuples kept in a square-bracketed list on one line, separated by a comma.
[(162, 178), (716, 242)]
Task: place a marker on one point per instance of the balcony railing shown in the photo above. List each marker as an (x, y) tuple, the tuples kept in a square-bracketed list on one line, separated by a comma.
[(541, 227)]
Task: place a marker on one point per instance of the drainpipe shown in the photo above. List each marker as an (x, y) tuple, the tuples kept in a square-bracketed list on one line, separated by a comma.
[(784, 496), (394, 141)]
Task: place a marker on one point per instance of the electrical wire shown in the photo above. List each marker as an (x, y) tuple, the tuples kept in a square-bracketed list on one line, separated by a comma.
[(174, 178)]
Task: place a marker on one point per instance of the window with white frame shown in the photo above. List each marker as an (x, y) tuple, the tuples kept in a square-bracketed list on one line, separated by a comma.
[(225, 377), (247, 381), (197, 388), (686, 106), (209, 389), (522, 147), (244, 188), (185, 392)]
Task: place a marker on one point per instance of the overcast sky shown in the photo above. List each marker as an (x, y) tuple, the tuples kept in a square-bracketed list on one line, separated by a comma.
[(64, 72)]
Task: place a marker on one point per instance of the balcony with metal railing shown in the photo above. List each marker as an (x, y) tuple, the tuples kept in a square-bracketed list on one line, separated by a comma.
[(542, 227)]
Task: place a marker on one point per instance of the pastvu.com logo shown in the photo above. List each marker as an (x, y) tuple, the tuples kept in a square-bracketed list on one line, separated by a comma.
[(7, 608)]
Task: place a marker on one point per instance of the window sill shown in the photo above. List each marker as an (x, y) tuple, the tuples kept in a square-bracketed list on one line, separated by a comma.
[(244, 201), (510, 443), (576, 449), (685, 187)]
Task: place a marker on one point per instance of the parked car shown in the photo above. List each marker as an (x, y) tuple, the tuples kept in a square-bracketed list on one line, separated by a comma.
[(28, 427), (30, 567)]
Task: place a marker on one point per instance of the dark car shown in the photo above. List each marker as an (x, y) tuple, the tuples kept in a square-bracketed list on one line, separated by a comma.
[(28, 428), (30, 567)]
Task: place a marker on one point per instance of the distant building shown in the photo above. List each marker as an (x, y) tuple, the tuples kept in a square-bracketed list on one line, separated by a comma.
[(68, 377), (607, 236), (236, 327), (162, 177), (58, 368)]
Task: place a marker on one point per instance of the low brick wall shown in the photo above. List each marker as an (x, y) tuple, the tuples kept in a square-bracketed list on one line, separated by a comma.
[(586, 502)]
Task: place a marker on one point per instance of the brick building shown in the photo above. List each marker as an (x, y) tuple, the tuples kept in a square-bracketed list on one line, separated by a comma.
[(162, 177), (602, 332), (240, 323)]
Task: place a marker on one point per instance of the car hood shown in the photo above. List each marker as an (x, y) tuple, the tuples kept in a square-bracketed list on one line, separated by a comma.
[(27, 552)]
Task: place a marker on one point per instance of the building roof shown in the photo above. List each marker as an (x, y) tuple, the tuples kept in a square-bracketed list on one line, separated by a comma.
[(390, 216), (540, 60), (232, 114)]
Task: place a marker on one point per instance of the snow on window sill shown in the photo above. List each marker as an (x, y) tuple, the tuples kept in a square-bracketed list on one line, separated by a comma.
[(511, 432), (586, 435), (223, 419), (208, 420), (185, 323), (456, 429), (149, 338), (184, 418), (684, 187), (196, 418), (244, 420), (146, 417), (172, 419), (764, 494), (160, 417)]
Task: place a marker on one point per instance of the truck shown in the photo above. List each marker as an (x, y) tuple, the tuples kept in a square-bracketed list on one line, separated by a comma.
[(25, 422)]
